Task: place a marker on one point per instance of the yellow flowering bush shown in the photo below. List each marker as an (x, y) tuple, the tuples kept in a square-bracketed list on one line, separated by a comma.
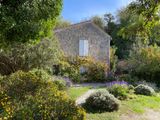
[(34, 95), (6, 109), (93, 71), (20, 84), (49, 104)]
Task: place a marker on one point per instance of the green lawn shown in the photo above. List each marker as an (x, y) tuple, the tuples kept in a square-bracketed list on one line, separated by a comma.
[(75, 92), (135, 106)]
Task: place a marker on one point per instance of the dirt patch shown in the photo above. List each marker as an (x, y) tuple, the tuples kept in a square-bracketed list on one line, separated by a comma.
[(148, 115)]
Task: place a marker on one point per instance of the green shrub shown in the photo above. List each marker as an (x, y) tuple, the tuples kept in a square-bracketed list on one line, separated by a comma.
[(102, 101), (48, 104), (43, 75), (61, 84), (6, 109), (119, 91), (20, 84), (34, 96), (144, 90), (113, 59), (150, 84), (128, 78), (145, 64), (41, 55), (69, 69), (94, 71)]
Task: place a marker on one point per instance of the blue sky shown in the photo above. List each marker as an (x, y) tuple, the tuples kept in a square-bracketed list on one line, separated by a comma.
[(77, 10)]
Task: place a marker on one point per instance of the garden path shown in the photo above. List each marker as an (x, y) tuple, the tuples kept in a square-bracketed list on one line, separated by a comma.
[(94, 85), (83, 98)]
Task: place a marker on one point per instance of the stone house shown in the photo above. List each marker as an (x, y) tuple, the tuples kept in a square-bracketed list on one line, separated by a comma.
[(85, 39)]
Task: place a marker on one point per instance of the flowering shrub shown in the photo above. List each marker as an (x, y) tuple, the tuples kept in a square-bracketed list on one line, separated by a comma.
[(61, 84), (119, 89), (20, 84), (6, 109), (49, 104), (120, 92), (101, 101), (34, 96), (94, 71), (144, 90)]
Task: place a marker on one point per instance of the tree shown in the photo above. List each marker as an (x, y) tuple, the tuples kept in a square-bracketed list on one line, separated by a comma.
[(25, 56), (145, 16), (61, 23), (24, 20), (98, 21), (110, 25)]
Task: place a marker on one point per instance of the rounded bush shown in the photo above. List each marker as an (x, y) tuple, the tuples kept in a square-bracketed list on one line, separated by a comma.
[(61, 84), (144, 90), (101, 101), (33, 96), (119, 91), (48, 104), (20, 84)]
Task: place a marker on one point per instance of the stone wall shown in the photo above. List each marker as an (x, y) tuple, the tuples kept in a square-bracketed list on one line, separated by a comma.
[(99, 42)]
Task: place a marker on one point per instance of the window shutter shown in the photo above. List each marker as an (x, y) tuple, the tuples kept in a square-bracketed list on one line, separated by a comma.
[(83, 47)]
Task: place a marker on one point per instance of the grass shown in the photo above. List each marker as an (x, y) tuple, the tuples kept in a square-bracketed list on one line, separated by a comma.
[(139, 104), (135, 106), (75, 92)]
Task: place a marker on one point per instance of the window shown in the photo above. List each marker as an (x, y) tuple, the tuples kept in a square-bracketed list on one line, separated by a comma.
[(83, 48)]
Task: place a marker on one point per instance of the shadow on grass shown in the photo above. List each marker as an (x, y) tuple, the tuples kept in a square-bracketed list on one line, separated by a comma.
[(95, 110)]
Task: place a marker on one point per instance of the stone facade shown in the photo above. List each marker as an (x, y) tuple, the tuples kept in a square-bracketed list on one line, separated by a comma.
[(99, 41)]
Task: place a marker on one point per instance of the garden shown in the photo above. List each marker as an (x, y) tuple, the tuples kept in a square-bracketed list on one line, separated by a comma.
[(39, 82)]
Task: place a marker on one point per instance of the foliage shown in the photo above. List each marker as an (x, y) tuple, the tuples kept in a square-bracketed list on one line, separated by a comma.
[(61, 23), (144, 18), (119, 91), (136, 107), (113, 59), (6, 109), (27, 20), (20, 84), (144, 90), (128, 78), (102, 101), (33, 95), (41, 55), (94, 71), (49, 104), (150, 84), (145, 63), (98, 21), (61, 84)]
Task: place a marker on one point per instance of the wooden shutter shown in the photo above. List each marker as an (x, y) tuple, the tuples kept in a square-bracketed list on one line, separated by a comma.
[(83, 48)]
